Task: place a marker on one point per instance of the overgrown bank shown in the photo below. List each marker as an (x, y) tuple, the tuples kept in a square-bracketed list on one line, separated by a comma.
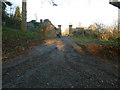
[(15, 42), (107, 51)]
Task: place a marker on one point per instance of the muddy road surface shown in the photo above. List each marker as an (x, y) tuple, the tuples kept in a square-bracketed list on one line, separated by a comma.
[(58, 63)]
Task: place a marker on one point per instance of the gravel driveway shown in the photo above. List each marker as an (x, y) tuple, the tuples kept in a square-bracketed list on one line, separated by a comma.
[(58, 63)]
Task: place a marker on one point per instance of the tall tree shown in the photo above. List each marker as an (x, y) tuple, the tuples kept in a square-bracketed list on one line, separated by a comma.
[(4, 5), (17, 14)]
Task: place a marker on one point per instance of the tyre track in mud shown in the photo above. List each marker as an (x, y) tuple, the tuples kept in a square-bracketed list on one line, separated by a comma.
[(57, 64)]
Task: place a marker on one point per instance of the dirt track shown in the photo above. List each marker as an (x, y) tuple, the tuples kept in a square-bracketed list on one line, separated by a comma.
[(58, 63)]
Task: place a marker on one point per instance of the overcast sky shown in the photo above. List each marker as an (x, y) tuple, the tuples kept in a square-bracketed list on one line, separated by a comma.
[(72, 12)]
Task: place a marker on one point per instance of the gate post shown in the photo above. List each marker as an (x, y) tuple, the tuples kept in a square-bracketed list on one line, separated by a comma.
[(59, 29), (70, 30)]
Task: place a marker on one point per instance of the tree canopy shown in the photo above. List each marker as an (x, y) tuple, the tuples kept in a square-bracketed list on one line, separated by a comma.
[(4, 4), (17, 14)]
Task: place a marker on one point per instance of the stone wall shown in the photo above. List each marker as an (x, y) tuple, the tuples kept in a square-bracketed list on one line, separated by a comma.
[(79, 31)]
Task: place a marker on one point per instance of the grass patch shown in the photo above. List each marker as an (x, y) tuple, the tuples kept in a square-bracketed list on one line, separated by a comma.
[(51, 37), (84, 39), (89, 39), (9, 32), (15, 41)]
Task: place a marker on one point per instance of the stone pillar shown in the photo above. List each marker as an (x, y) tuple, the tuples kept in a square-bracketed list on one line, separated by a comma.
[(59, 29), (24, 16), (41, 20), (83, 31), (70, 29)]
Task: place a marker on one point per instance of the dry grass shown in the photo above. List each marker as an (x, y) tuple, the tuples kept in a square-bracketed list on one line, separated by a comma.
[(106, 53)]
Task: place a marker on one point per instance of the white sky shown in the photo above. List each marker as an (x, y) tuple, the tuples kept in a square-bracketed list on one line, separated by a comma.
[(73, 12)]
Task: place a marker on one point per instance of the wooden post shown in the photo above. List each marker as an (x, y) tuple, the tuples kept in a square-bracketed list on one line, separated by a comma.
[(118, 20), (1, 45), (24, 14), (0, 16)]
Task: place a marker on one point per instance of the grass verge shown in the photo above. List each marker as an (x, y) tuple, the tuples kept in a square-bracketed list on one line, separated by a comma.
[(15, 41), (107, 51)]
